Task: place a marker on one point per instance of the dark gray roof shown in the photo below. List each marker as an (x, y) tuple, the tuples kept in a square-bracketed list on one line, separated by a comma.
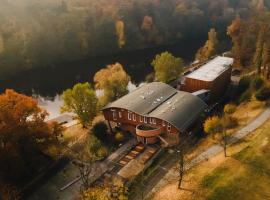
[(162, 101)]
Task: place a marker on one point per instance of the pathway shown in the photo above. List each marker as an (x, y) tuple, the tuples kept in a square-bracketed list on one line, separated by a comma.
[(66, 183), (214, 150)]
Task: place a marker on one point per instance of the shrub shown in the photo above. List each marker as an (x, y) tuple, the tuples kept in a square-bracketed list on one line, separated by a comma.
[(100, 130), (244, 84), (263, 94), (102, 152), (257, 83), (119, 137), (229, 109), (212, 125), (246, 96)]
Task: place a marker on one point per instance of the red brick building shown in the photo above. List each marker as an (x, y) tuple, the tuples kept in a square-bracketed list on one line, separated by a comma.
[(155, 111), (214, 76)]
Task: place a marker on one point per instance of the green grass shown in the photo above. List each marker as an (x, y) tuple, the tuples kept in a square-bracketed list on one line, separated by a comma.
[(249, 178)]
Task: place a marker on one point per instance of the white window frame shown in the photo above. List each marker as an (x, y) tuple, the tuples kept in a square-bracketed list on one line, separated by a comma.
[(120, 114), (154, 121), (134, 117), (129, 116), (150, 120), (141, 118), (145, 120)]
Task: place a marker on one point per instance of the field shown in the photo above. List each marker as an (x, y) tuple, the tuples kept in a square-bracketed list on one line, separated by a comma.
[(244, 175)]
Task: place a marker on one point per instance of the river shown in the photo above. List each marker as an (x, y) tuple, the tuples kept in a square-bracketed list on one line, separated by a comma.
[(46, 84)]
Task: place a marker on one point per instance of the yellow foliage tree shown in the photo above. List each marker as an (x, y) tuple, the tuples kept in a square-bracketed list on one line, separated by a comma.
[(213, 125), (113, 80), (210, 47), (120, 32)]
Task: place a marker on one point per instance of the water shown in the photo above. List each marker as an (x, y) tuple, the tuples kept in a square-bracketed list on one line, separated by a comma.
[(46, 84)]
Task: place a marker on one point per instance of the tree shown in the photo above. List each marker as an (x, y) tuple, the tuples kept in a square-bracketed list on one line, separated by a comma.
[(113, 81), (257, 59), (113, 190), (23, 130), (210, 47), (213, 126), (266, 59), (167, 67), (86, 160), (82, 101)]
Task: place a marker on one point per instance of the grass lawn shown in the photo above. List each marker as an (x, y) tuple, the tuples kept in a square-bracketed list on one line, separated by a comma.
[(248, 178), (244, 175)]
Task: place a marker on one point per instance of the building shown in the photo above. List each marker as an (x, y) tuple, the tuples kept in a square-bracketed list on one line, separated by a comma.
[(214, 76), (155, 111)]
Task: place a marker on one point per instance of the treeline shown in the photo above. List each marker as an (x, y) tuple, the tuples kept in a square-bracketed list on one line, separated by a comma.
[(44, 33), (251, 42)]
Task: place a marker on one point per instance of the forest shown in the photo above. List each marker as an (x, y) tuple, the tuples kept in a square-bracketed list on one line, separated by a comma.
[(45, 33)]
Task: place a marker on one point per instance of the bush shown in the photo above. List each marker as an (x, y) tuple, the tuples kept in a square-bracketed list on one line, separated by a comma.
[(244, 84), (102, 152), (246, 96), (257, 83), (119, 137), (100, 130), (263, 94), (229, 109)]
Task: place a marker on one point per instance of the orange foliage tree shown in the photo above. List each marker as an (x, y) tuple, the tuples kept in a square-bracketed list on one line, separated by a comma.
[(22, 128)]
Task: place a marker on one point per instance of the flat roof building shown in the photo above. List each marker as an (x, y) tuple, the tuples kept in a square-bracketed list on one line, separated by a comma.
[(214, 76)]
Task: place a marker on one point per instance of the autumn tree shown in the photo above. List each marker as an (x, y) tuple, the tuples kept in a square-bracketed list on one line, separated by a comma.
[(210, 47), (120, 32), (167, 67), (112, 190), (234, 32), (266, 59), (215, 127), (113, 81), (82, 101), (23, 130), (86, 159)]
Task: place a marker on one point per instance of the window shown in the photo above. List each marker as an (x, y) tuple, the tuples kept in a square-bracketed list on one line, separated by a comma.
[(154, 121), (120, 114), (145, 119), (134, 117), (150, 120), (129, 116), (141, 118), (114, 114), (163, 123), (169, 127)]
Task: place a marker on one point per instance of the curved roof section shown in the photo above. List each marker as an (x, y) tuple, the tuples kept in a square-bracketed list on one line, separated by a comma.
[(162, 101)]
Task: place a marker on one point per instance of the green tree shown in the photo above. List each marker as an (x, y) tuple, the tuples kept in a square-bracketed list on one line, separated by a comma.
[(210, 47), (167, 67), (82, 101), (113, 81)]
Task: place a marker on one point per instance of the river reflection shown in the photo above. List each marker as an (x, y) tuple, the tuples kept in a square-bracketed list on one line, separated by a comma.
[(53, 105)]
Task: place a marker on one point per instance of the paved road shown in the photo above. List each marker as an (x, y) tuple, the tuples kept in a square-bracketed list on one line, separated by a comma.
[(213, 150), (51, 189)]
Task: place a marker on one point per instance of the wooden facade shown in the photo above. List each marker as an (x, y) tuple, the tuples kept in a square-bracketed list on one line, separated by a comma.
[(217, 87)]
